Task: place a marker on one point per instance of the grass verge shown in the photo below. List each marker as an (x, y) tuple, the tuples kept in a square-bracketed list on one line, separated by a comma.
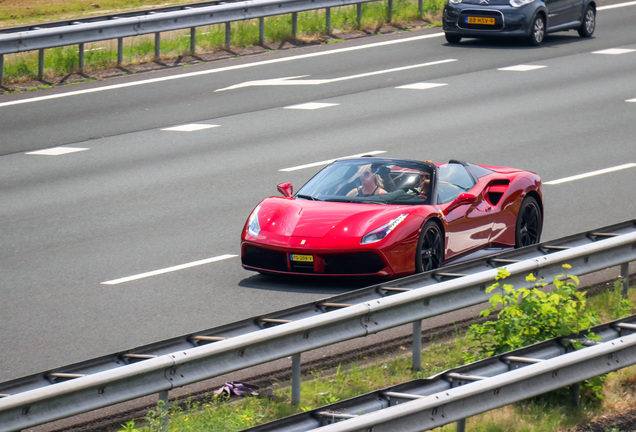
[(63, 61)]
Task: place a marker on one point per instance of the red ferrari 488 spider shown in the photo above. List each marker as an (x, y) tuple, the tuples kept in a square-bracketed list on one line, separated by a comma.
[(387, 218)]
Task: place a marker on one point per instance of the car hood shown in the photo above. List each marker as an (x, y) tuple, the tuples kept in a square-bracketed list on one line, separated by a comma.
[(319, 219)]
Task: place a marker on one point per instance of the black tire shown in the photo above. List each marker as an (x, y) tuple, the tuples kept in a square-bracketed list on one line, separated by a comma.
[(430, 248), (529, 223), (589, 23), (452, 38), (537, 31)]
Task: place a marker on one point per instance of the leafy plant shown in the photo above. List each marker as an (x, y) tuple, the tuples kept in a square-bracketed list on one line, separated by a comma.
[(530, 315)]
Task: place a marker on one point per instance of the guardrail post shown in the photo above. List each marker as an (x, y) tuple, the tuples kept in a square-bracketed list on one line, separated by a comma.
[(328, 20), (41, 64), (228, 35), (460, 425), (420, 8), (157, 46), (295, 380), (294, 24), (359, 15), (193, 40), (576, 394), (163, 407), (625, 275), (261, 30), (1, 69), (390, 11), (81, 57), (120, 51), (417, 345)]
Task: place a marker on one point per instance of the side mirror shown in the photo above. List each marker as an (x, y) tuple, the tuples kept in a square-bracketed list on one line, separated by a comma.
[(286, 189), (463, 198)]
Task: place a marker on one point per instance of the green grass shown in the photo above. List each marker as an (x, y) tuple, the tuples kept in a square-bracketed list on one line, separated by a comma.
[(323, 387), (63, 61)]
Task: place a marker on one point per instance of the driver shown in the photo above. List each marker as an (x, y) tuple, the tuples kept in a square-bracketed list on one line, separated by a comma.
[(424, 186)]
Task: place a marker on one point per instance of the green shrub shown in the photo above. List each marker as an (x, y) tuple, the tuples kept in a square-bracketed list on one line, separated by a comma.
[(530, 315)]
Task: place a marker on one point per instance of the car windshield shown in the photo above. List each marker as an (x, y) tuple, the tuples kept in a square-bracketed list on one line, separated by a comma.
[(372, 180)]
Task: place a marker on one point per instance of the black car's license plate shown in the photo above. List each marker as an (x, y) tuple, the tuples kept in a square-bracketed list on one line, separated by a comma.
[(480, 20)]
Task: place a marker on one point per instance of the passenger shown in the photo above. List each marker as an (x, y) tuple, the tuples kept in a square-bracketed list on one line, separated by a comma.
[(371, 184)]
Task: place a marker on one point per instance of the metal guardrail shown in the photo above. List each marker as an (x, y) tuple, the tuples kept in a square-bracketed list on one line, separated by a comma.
[(177, 362), (456, 394), (118, 27), (79, 32)]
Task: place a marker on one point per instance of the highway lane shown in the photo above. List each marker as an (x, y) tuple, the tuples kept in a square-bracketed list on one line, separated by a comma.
[(124, 109), (141, 198)]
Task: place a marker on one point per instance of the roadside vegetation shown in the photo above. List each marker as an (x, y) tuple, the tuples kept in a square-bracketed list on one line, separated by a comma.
[(63, 61), (518, 317)]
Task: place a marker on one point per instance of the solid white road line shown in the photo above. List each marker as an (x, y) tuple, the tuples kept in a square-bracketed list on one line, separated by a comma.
[(168, 269), (315, 164), (591, 174)]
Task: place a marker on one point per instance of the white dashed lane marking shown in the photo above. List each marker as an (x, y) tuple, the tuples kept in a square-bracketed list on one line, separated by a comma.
[(311, 106), (591, 174), (190, 127), (315, 164), (168, 269), (421, 86), (614, 51), (56, 151), (522, 68)]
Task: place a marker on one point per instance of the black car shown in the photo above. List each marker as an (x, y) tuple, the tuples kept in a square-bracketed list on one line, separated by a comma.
[(529, 19)]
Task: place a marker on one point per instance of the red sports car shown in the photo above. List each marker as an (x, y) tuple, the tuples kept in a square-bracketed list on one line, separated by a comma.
[(387, 218)]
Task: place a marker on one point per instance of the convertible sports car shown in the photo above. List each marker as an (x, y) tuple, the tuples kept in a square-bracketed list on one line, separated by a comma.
[(381, 217)]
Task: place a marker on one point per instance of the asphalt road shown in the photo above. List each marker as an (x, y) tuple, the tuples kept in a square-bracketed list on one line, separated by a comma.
[(91, 238)]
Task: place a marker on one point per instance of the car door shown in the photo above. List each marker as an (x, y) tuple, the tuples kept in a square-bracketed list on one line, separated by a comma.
[(468, 216), (560, 12)]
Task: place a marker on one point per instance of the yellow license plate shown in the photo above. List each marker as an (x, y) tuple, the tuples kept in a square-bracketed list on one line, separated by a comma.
[(303, 258), (480, 20)]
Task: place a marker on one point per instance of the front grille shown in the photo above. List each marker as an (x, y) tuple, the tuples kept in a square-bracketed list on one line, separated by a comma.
[(265, 259), (358, 263), (363, 263), (480, 16)]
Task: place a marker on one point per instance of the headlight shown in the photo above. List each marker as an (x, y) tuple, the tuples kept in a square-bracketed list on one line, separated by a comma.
[(253, 226), (519, 3), (378, 234), (454, 1)]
